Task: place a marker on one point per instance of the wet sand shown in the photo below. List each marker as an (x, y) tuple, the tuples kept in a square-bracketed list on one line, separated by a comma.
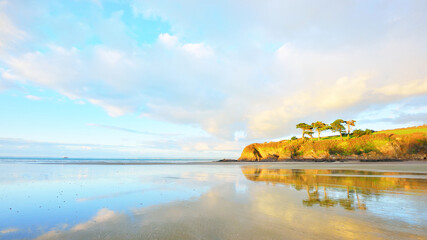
[(413, 166), (213, 200)]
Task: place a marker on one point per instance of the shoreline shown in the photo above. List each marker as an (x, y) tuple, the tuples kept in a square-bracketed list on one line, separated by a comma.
[(328, 160), (233, 162)]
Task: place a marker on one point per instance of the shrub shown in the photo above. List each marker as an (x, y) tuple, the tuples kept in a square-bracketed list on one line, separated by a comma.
[(369, 131), (294, 138), (359, 132), (336, 150)]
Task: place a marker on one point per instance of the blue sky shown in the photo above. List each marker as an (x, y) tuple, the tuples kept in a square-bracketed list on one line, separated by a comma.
[(199, 79)]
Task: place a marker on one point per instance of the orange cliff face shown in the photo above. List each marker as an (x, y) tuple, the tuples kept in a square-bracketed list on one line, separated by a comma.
[(369, 147), (346, 188)]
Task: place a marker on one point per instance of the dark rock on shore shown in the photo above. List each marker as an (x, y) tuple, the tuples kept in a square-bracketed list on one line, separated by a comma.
[(228, 160)]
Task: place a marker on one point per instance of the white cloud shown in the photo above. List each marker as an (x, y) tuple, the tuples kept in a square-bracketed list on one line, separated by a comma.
[(6, 80), (10, 34), (34, 98), (256, 70), (181, 147), (405, 89), (168, 40), (113, 110), (222, 94), (198, 49), (211, 145)]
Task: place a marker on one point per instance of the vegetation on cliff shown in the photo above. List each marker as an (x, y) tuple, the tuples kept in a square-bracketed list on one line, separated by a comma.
[(336, 126), (398, 144)]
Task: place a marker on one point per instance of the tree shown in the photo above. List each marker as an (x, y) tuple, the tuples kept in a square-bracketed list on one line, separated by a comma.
[(320, 127), (359, 132), (349, 124), (337, 126), (310, 133), (369, 131), (304, 127)]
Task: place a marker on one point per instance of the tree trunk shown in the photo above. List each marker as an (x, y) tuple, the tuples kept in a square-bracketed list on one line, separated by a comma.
[(318, 136), (303, 133), (349, 130), (341, 135)]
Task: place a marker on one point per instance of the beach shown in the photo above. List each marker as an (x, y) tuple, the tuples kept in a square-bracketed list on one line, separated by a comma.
[(211, 200)]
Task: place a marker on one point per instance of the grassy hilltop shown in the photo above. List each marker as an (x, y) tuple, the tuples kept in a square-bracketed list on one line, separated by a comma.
[(396, 144)]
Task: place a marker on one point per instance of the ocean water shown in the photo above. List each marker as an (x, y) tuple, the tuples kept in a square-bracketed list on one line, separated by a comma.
[(114, 199), (99, 160)]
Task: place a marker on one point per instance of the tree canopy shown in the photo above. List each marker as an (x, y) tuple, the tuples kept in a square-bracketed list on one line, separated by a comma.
[(349, 124), (337, 126), (320, 127), (359, 132), (310, 133), (304, 127)]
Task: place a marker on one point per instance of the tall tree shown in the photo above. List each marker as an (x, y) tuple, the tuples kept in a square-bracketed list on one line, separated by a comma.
[(320, 127), (304, 127), (350, 123), (337, 126)]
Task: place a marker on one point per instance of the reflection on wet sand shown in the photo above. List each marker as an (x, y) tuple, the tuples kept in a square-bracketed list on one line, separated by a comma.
[(221, 213), (215, 202), (322, 185)]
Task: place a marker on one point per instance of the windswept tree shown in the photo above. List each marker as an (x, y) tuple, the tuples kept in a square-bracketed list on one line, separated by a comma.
[(337, 126), (310, 133), (350, 123), (304, 127), (320, 127)]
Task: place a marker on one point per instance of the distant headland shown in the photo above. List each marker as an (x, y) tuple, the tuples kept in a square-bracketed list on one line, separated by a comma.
[(359, 145)]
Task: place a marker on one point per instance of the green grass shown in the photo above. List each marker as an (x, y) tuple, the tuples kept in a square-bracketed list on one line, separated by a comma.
[(332, 137), (329, 137), (422, 129)]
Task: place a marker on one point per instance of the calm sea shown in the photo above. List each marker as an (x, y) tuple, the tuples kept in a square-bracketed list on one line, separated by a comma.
[(100, 160)]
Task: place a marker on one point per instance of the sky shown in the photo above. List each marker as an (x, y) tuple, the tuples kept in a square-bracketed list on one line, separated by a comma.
[(202, 79)]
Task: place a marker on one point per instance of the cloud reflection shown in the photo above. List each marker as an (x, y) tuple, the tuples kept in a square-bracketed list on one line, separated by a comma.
[(9, 230), (223, 213)]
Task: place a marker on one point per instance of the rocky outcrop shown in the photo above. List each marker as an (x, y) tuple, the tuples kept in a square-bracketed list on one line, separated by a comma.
[(369, 147)]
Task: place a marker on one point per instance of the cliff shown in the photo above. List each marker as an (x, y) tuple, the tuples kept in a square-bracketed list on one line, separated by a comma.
[(381, 146)]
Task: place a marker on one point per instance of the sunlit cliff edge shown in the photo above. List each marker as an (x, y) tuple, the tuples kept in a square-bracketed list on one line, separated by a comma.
[(396, 144)]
